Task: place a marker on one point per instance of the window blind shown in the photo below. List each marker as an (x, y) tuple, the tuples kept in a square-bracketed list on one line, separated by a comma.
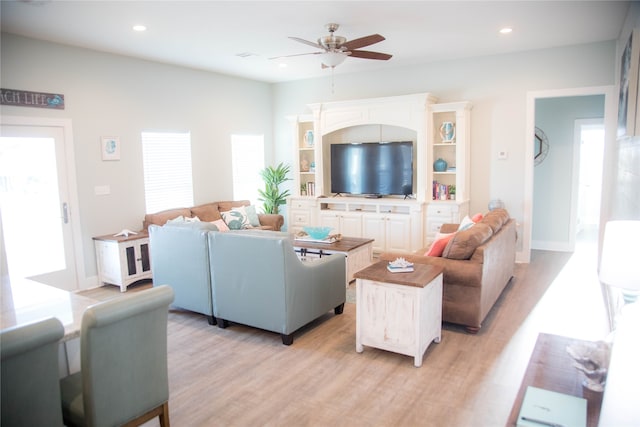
[(168, 179)]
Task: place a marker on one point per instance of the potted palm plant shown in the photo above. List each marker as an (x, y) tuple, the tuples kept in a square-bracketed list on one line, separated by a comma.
[(272, 196)]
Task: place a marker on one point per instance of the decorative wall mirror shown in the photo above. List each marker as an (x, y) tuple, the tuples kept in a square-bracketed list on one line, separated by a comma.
[(541, 146)]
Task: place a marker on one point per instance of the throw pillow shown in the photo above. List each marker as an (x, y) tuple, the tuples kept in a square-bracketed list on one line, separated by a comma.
[(253, 215), (465, 242), (222, 226), (236, 219), (438, 245), (477, 217), (465, 223), (176, 220)]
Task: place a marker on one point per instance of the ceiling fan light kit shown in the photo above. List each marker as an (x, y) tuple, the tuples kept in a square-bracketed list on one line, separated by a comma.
[(335, 49), (332, 59)]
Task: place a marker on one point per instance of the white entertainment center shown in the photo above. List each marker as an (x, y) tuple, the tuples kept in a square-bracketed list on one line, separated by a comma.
[(396, 223)]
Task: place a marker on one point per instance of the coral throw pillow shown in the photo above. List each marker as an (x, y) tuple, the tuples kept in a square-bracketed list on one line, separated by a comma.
[(222, 226), (437, 247), (477, 217)]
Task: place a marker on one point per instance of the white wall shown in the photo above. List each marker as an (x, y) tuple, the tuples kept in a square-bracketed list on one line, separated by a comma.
[(496, 85), (114, 95), (120, 96)]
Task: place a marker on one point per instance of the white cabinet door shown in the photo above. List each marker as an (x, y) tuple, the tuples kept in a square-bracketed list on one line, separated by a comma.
[(391, 232), (345, 223), (330, 219), (373, 227), (351, 225), (397, 233)]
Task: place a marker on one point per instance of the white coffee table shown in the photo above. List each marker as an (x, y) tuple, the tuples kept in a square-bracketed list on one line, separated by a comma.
[(399, 312)]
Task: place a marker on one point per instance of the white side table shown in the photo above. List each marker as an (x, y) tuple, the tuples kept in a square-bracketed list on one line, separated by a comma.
[(399, 312), (123, 260)]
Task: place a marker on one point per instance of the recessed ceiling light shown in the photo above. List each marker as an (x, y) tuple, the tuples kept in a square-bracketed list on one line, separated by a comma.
[(506, 30), (139, 28), (282, 65)]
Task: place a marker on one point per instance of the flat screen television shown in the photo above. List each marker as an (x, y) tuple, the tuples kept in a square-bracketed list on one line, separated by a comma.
[(372, 168)]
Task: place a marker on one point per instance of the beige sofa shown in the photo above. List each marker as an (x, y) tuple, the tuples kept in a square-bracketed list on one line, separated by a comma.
[(209, 212), (478, 264)]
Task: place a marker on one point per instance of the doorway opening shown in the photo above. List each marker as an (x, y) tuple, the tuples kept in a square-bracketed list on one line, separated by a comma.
[(590, 147)]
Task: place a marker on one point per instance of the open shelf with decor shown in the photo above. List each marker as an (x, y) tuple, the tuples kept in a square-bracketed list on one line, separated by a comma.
[(448, 164), (304, 167)]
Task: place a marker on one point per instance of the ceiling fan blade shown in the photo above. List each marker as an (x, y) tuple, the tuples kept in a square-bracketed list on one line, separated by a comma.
[(296, 54), (363, 41), (370, 55), (307, 42)]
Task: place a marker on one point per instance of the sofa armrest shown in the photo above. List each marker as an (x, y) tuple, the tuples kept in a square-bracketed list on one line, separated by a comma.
[(276, 221)]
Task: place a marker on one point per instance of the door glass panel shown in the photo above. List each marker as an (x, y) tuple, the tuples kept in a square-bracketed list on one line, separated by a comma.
[(131, 261), (30, 204), (146, 262)]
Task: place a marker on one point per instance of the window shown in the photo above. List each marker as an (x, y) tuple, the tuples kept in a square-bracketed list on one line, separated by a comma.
[(247, 157), (168, 181)]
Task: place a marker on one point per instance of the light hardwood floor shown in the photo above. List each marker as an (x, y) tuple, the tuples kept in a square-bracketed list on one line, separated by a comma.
[(245, 377)]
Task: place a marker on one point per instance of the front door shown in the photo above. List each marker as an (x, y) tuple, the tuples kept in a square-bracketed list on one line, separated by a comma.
[(34, 205)]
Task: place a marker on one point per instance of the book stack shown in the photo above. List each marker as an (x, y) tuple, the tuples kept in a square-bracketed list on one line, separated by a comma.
[(400, 265), (311, 188), (440, 191)]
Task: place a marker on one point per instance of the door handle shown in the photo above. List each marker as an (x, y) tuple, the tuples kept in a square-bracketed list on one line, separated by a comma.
[(65, 213)]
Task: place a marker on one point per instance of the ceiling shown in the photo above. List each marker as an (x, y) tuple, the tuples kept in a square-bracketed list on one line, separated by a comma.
[(239, 37)]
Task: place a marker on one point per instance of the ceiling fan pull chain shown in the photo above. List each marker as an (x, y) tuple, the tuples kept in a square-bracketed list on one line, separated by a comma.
[(332, 82)]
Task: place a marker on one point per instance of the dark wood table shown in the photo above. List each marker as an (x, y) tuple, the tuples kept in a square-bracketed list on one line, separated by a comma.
[(551, 368), (358, 252)]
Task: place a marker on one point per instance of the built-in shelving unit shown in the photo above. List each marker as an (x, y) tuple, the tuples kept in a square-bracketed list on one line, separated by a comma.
[(396, 223), (304, 167), (449, 187)]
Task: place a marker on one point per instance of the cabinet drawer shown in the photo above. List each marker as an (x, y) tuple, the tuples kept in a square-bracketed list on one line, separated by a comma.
[(302, 204), (300, 217), (443, 211)]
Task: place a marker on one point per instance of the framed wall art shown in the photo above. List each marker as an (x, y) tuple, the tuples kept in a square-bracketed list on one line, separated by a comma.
[(628, 99), (110, 146)]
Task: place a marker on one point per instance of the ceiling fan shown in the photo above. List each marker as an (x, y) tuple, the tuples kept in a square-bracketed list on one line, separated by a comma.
[(334, 49)]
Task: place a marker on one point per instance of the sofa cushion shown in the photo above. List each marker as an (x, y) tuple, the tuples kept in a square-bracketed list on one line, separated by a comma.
[(496, 219), (161, 218), (228, 205), (464, 243), (208, 212), (196, 225)]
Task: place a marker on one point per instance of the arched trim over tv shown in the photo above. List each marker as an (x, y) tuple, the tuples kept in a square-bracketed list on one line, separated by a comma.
[(372, 168)]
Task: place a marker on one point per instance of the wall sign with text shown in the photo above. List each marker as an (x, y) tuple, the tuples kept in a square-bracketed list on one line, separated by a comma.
[(25, 98)]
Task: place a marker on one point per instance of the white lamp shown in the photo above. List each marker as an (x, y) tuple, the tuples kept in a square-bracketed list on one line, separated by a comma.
[(620, 262), (332, 58)]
